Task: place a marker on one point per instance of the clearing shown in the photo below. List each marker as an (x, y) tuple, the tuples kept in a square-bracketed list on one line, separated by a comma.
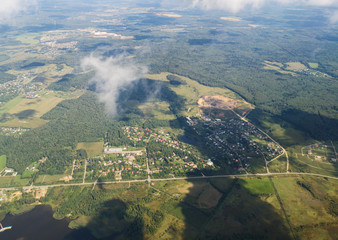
[(159, 110), (294, 66), (192, 91), (92, 148), (313, 65), (3, 161), (223, 103)]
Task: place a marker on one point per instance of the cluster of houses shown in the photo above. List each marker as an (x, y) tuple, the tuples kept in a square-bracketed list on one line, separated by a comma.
[(8, 172), (8, 131), (238, 142), (14, 87), (320, 152)]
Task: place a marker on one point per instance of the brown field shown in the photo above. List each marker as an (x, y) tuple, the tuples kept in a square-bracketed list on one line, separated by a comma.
[(66, 178), (185, 188), (219, 102), (295, 66), (40, 105), (277, 67), (274, 63), (39, 193), (217, 105), (30, 123)]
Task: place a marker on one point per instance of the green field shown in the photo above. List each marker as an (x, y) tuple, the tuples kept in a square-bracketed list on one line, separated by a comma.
[(27, 112), (313, 65), (159, 110), (92, 148), (29, 38), (49, 179), (11, 104), (3, 161), (19, 181), (5, 181), (307, 203), (39, 105), (258, 186)]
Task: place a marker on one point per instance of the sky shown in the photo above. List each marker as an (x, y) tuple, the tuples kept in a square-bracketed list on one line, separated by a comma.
[(235, 6), (11, 8)]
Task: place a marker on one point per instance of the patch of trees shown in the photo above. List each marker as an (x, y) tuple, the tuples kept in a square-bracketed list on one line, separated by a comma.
[(71, 81), (174, 80), (6, 77), (71, 121)]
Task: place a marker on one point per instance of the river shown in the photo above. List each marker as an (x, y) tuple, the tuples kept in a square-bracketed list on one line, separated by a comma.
[(39, 224)]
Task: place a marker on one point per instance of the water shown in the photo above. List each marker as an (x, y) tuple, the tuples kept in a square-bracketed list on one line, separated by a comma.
[(39, 224)]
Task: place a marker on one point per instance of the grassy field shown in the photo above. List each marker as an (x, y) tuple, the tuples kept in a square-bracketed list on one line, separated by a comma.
[(295, 66), (159, 110), (27, 112), (93, 148), (286, 136), (278, 165), (39, 105), (258, 186), (5, 181), (3, 161), (306, 202), (313, 65), (276, 67), (10, 104), (48, 71), (49, 179), (192, 91), (18, 181), (29, 38), (32, 123)]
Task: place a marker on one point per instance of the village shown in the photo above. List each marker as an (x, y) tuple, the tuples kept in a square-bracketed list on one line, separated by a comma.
[(165, 156), (239, 144), (320, 152), (161, 154)]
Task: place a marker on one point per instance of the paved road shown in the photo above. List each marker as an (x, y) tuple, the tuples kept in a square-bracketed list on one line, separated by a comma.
[(169, 179), (85, 171)]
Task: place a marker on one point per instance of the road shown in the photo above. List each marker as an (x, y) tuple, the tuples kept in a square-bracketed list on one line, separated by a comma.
[(334, 149), (170, 179), (148, 170), (85, 171)]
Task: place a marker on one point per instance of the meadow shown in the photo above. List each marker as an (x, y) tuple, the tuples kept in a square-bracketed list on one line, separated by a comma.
[(92, 148)]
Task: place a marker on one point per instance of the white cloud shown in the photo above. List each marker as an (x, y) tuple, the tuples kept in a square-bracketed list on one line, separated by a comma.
[(334, 17), (238, 5), (111, 75), (11, 8)]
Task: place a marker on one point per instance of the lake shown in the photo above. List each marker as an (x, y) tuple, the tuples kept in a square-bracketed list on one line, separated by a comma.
[(39, 224)]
